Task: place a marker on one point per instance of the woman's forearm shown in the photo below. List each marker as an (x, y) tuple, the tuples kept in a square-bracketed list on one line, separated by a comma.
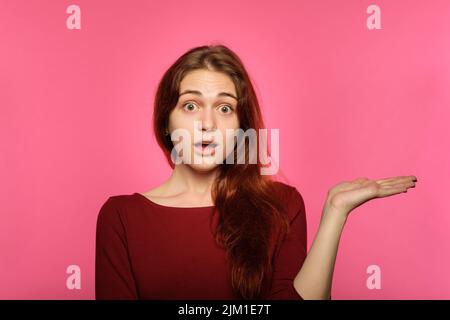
[(314, 279)]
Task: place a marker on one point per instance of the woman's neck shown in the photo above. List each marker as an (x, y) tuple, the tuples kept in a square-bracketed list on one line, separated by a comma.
[(188, 181)]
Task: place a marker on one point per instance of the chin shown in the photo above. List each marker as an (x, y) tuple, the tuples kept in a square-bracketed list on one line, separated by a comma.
[(204, 167)]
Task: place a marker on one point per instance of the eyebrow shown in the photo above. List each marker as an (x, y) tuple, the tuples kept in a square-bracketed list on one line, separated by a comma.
[(221, 94)]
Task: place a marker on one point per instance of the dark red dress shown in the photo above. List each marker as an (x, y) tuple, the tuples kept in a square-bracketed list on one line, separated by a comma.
[(145, 250)]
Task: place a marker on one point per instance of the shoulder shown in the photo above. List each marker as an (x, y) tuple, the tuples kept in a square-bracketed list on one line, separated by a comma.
[(290, 194), (292, 197), (113, 209), (113, 203)]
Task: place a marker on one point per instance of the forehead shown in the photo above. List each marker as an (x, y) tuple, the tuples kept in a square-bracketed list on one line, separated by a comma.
[(208, 82)]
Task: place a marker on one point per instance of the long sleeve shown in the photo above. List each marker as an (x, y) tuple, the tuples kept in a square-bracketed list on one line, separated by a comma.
[(113, 274), (291, 254)]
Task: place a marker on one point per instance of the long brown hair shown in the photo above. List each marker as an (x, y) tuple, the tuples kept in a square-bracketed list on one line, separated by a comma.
[(250, 210)]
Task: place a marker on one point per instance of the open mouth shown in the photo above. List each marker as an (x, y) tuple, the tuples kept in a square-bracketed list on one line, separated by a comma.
[(206, 148)]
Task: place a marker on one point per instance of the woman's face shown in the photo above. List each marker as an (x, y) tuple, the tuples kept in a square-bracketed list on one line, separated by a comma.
[(206, 108)]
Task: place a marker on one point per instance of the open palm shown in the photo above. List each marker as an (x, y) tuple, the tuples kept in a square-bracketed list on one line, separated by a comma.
[(347, 196)]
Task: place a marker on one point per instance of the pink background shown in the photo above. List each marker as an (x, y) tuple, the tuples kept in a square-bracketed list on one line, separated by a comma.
[(75, 125)]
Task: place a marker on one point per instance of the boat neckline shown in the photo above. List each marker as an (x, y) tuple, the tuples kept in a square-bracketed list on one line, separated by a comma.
[(169, 207)]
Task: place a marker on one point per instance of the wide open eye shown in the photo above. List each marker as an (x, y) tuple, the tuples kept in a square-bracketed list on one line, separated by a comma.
[(189, 106), (226, 109)]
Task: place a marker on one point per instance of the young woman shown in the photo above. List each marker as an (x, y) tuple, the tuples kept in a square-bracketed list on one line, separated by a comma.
[(215, 229)]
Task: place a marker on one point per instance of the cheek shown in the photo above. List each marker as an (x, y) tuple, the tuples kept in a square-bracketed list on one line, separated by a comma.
[(180, 121), (231, 125), (230, 141)]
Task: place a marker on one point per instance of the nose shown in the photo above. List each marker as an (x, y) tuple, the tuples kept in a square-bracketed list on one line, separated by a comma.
[(208, 122)]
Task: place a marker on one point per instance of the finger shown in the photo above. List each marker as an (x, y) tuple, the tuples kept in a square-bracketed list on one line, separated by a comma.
[(396, 180), (393, 179), (403, 185), (390, 191), (386, 180)]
